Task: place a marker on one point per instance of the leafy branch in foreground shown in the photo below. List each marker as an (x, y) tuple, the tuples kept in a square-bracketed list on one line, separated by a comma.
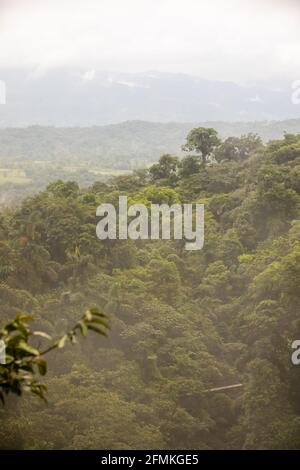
[(24, 361)]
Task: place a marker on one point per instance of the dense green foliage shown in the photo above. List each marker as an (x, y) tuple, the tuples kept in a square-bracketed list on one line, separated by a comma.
[(181, 322)]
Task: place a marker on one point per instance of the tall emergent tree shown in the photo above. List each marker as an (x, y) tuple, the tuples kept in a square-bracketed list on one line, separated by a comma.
[(202, 140)]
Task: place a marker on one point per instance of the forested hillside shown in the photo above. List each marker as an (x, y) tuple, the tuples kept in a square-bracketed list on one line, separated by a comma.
[(127, 145), (182, 323), (31, 158)]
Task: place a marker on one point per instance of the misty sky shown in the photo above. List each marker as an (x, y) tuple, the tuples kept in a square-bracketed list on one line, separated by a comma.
[(236, 40)]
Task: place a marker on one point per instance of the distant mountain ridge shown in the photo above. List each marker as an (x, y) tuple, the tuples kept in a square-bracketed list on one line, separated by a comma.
[(126, 145), (76, 97)]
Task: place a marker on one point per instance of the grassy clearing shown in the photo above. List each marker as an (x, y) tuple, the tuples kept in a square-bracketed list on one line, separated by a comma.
[(13, 176), (18, 180)]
